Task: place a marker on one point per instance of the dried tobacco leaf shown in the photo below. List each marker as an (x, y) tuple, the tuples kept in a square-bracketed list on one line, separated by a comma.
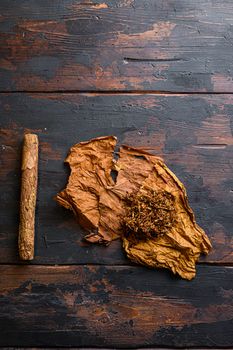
[(146, 206)]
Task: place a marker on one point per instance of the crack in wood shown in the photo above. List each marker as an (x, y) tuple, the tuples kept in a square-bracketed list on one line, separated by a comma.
[(135, 59), (211, 146)]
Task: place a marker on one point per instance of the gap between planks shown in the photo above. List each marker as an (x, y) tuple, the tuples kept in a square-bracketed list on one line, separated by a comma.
[(98, 348), (118, 92), (31, 264)]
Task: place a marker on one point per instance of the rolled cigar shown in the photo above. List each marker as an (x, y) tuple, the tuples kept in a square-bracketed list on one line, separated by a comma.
[(29, 179)]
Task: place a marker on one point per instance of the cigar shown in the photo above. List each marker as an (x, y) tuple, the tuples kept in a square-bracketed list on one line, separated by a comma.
[(29, 179)]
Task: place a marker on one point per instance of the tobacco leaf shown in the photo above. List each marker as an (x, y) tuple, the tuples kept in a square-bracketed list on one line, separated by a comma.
[(165, 233)]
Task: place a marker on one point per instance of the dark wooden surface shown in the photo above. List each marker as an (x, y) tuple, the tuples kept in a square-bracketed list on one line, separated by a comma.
[(192, 133), (171, 45), (115, 306), (156, 74)]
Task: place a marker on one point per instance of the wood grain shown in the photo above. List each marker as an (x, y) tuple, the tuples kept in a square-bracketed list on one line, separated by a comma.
[(50, 51), (172, 45), (114, 307), (192, 133)]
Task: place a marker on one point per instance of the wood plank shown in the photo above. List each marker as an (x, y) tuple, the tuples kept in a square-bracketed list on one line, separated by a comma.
[(114, 307), (192, 133), (165, 45)]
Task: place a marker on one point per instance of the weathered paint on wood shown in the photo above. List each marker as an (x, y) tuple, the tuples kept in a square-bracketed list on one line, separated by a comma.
[(114, 307), (172, 45), (192, 133)]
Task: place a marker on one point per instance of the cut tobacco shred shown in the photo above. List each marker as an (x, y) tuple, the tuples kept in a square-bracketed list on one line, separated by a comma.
[(146, 206), (148, 215)]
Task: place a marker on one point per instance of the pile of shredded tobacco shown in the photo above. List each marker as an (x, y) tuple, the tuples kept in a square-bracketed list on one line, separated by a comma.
[(146, 205), (148, 215)]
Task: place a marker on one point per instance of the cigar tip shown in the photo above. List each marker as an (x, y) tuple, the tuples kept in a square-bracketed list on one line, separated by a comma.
[(31, 138), (30, 135)]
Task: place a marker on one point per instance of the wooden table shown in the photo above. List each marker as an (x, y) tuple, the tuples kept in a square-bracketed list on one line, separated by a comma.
[(155, 73)]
